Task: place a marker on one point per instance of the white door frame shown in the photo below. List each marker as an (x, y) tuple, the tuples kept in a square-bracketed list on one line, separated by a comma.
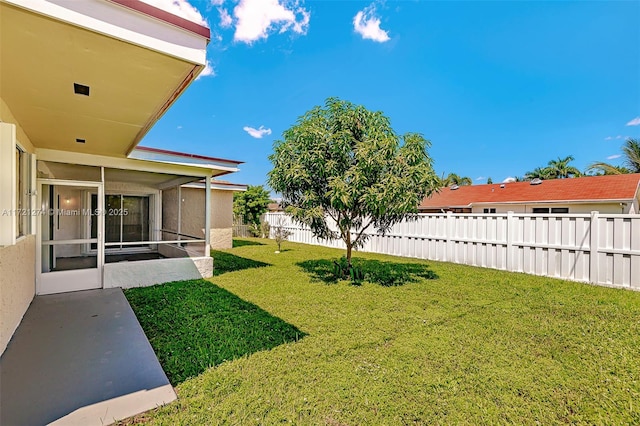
[(78, 279)]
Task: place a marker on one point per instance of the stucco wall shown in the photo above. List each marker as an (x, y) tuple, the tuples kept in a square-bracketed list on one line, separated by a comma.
[(573, 208), (193, 214), (17, 285), (17, 262)]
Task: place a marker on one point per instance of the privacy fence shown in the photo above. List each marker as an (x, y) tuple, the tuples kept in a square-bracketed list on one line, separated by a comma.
[(598, 248)]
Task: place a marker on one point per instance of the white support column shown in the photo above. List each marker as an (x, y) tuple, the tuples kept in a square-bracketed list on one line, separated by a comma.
[(7, 184), (593, 248), (179, 224), (101, 232), (207, 216)]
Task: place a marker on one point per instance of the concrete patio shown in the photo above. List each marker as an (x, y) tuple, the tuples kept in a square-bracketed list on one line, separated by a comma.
[(79, 358)]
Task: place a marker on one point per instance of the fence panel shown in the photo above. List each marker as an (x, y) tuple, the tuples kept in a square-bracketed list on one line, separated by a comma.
[(598, 248)]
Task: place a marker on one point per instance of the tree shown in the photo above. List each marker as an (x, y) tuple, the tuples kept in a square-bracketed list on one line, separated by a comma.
[(631, 161), (560, 168), (489, 181), (345, 163), (280, 233), (454, 179), (251, 204), (538, 173)]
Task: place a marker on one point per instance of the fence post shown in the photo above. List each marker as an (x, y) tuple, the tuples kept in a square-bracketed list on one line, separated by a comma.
[(448, 246), (593, 248), (510, 235)]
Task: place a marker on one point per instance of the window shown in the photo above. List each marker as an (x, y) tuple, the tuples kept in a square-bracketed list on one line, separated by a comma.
[(489, 211), (22, 192), (560, 210), (540, 210)]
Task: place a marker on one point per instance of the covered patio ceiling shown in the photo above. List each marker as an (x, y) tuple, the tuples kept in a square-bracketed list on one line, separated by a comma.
[(124, 86), (65, 171)]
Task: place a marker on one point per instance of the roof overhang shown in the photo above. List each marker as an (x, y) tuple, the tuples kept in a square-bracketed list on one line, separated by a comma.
[(222, 165), (219, 186), (198, 171), (135, 59)]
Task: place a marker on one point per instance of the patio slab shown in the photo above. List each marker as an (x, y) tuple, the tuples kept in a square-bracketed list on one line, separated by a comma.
[(80, 358)]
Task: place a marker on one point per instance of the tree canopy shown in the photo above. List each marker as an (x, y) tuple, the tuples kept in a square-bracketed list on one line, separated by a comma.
[(555, 169), (630, 164), (455, 179), (344, 163), (251, 204)]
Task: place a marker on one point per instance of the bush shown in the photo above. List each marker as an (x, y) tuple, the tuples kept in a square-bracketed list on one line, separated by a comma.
[(343, 271)]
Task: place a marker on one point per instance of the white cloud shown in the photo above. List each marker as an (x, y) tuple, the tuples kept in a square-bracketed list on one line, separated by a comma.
[(608, 138), (256, 19), (509, 179), (180, 8), (480, 178), (217, 2), (225, 19), (179, 127), (207, 71), (613, 157), (634, 122), (619, 137), (367, 24), (257, 133)]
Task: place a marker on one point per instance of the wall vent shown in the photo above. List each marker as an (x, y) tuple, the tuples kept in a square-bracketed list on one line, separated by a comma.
[(80, 89)]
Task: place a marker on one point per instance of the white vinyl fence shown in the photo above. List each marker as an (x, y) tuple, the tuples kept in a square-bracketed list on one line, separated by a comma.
[(598, 248)]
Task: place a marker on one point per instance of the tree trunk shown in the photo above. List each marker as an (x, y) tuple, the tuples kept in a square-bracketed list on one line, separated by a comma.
[(349, 248)]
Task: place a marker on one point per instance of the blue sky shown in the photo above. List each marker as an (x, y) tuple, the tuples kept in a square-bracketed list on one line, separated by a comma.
[(499, 88)]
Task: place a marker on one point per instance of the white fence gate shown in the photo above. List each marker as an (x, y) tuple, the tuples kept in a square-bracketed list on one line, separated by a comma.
[(598, 248)]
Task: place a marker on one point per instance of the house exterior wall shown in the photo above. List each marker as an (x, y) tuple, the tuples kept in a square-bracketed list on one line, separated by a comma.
[(193, 214), (17, 262), (608, 208)]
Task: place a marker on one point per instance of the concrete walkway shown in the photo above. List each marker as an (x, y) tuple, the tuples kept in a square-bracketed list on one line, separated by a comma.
[(79, 359)]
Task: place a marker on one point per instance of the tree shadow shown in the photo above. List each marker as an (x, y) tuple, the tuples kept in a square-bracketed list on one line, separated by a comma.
[(386, 274), (224, 262), (242, 243), (194, 325)]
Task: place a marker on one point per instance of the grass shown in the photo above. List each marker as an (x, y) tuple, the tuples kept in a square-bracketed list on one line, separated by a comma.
[(472, 346)]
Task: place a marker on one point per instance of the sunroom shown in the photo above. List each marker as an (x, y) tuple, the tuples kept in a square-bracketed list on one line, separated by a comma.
[(118, 224)]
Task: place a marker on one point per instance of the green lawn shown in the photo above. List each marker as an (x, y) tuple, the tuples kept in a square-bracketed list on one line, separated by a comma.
[(272, 339)]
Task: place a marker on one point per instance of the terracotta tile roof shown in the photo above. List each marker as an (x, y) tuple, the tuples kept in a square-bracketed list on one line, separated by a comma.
[(590, 188)]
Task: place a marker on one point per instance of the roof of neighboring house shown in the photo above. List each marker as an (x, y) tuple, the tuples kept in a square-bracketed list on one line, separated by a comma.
[(583, 189), (274, 207)]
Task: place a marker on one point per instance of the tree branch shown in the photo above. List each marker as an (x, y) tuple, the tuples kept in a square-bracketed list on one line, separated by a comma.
[(361, 231)]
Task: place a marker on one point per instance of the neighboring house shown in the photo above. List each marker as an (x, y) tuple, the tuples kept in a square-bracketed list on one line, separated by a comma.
[(81, 207), (274, 208), (605, 194), (192, 198)]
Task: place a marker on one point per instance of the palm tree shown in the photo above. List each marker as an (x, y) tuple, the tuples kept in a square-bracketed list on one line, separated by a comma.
[(631, 162), (560, 168), (454, 179), (539, 173)]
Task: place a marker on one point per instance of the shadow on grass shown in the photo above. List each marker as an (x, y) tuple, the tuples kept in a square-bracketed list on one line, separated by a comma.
[(387, 274), (194, 325), (241, 243), (224, 262)]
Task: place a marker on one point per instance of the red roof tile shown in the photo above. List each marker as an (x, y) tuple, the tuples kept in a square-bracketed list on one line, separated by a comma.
[(590, 188)]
